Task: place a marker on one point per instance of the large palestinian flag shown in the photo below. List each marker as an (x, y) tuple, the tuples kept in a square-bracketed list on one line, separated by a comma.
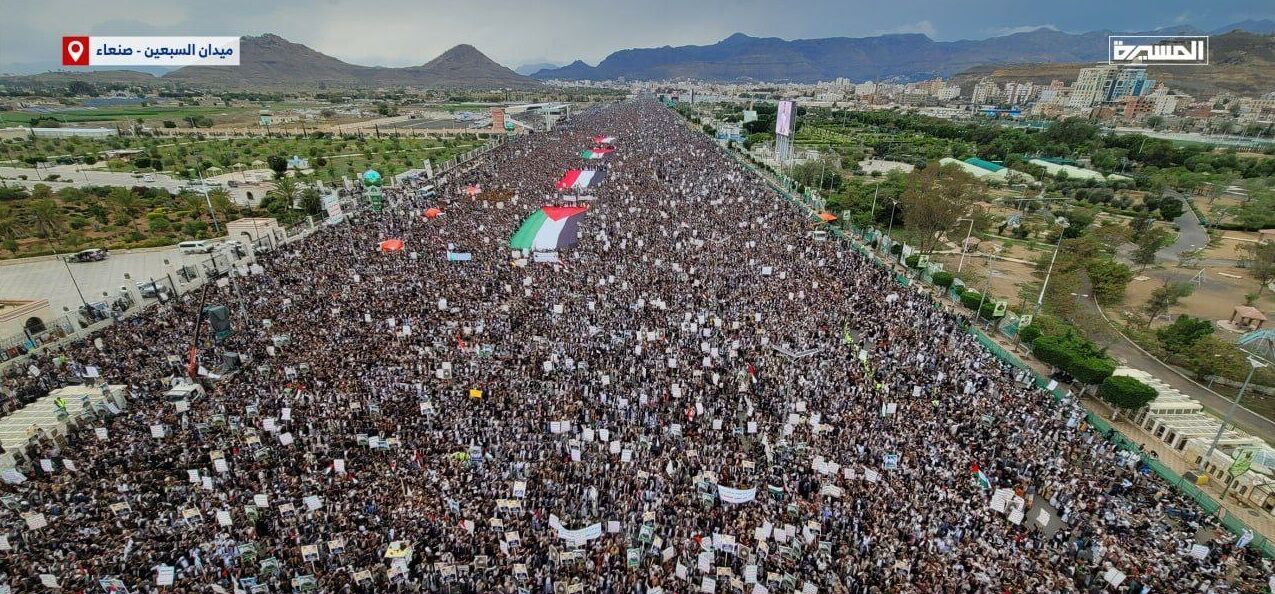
[(578, 178), (603, 139), (595, 152), (550, 228)]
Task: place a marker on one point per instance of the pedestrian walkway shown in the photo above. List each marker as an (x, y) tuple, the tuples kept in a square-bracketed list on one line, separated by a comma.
[(17, 428)]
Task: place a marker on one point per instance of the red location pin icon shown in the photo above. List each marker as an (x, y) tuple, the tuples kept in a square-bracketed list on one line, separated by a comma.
[(75, 51)]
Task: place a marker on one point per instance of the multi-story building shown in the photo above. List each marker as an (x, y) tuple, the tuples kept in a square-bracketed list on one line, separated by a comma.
[(1091, 86), (1019, 92), (986, 90), (1163, 105), (1137, 108), (1129, 81), (865, 88), (948, 93), (1256, 110)]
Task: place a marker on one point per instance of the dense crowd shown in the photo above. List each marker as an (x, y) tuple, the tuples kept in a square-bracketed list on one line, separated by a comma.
[(700, 396)]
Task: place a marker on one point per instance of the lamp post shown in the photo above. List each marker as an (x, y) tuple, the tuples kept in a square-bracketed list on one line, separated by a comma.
[(1230, 413), (890, 230), (1040, 300), (965, 242), (83, 301), (987, 285)]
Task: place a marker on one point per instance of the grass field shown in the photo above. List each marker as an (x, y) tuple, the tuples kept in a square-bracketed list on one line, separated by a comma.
[(331, 158), (123, 114)]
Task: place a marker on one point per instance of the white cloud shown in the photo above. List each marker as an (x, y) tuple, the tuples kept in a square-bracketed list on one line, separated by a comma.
[(923, 27), (1003, 31)]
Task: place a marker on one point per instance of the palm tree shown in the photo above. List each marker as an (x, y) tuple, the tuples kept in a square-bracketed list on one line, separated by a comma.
[(311, 201), (221, 201), (285, 190), (46, 216), (8, 228), (126, 204)]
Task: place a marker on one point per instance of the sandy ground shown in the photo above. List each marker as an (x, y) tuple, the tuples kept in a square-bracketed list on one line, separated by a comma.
[(1212, 300)]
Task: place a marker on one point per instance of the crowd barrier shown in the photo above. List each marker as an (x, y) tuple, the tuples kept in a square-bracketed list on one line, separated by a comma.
[(1206, 502)]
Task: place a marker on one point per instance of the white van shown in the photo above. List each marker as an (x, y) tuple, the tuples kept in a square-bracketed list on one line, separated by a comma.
[(196, 247)]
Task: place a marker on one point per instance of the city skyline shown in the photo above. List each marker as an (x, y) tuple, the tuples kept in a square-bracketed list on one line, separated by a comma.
[(400, 33)]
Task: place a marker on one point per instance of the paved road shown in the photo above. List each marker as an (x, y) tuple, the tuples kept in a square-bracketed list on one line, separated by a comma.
[(1191, 234), (1130, 355), (69, 176)]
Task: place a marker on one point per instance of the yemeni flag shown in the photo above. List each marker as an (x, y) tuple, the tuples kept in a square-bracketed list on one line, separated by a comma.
[(603, 139), (983, 482), (548, 229), (577, 179)]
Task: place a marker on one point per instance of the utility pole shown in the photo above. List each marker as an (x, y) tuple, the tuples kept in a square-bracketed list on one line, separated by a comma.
[(1230, 412)]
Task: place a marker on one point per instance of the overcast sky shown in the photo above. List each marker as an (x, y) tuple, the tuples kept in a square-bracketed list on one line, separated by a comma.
[(407, 32)]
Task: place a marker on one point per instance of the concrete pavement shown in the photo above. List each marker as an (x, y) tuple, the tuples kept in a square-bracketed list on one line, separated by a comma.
[(48, 278)]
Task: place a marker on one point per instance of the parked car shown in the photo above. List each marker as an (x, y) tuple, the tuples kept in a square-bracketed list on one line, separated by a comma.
[(201, 246), (89, 255), (154, 290)]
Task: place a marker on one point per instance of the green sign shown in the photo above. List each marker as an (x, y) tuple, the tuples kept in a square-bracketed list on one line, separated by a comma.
[(1241, 464)]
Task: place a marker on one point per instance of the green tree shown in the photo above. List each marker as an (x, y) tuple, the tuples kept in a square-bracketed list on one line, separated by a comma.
[(1260, 258), (127, 206), (1164, 298), (1109, 279), (284, 192), (1126, 392), (1211, 355), (1148, 243), (46, 216), (1183, 333), (1170, 208), (934, 198), (278, 164), (311, 201)]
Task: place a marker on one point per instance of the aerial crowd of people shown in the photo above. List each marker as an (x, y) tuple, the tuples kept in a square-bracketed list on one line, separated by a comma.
[(700, 396)]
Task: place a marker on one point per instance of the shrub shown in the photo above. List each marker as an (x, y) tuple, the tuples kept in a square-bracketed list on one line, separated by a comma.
[(913, 260), (942, 280), (1029, 334), (1126, 392), (1076, 356), (989, 308), (1092, 370), (1184, 332), (970, 298), (896, 249)]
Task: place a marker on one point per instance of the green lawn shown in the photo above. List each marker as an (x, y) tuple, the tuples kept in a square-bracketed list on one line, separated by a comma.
[(122, 113)]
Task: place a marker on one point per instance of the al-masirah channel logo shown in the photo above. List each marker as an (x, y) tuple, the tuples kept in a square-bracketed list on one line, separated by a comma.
[(1158, 50)]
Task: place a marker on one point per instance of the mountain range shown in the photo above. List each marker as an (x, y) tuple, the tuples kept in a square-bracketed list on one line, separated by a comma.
[(908, 56), (272, 62), (1239, 62)]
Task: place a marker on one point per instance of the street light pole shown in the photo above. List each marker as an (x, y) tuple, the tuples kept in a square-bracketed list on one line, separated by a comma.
[(960, 266), (1230, 413), (83, 301), (1040, 300), (987, 285)]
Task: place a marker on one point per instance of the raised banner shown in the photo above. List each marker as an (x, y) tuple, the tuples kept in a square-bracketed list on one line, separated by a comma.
[(580, 535), (730, 495)]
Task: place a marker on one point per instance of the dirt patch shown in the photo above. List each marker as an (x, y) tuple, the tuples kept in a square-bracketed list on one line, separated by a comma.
[(1213, 300)]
